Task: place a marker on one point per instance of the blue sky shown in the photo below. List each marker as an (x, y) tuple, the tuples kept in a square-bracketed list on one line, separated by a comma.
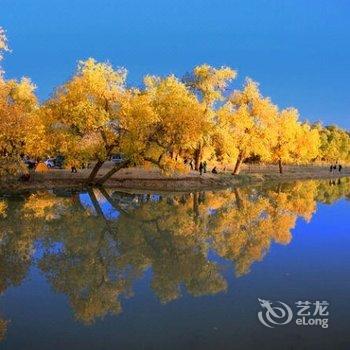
[(299, 50)]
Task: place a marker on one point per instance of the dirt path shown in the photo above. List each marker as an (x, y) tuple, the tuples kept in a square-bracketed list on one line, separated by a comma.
[(153, 179)]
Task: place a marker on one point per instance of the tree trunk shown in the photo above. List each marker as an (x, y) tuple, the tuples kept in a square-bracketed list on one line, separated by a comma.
[(280, 168), (110, 173), (198, 155), (94, 172), (238, 164), (99, 210), (95, 203), (111, 201)]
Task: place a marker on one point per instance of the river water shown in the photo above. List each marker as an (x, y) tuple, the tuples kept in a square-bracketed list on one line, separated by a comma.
[(249, 268)]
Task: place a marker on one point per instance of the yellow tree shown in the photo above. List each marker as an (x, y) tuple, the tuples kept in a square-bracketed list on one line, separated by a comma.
[(136, 120), (93, 115), (18, 123), (83, 113), (334, 144), (209, 83), (18, 104), (247, 119), (307, 144), (294, 142), (286, 132), (179, 123)]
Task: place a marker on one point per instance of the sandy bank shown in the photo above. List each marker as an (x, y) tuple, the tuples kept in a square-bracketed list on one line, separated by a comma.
[(153, 179)]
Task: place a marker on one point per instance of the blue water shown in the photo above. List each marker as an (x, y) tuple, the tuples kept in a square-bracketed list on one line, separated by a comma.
[(195, 314)]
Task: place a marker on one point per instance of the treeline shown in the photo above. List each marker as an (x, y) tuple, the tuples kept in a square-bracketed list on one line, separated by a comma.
[(167, 122)]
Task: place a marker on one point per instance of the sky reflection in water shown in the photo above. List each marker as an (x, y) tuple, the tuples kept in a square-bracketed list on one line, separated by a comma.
[(107, 269)]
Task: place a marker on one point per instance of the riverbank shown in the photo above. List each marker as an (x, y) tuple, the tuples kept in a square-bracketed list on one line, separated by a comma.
[(154, 179)]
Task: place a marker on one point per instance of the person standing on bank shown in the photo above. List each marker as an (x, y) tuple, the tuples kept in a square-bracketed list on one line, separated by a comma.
[(201, 168), (205, 166)]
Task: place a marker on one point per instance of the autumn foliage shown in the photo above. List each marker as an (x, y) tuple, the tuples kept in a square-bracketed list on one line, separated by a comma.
[(167, 122)]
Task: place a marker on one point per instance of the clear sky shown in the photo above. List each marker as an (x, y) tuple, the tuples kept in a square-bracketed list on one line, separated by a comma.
[(299, 50)]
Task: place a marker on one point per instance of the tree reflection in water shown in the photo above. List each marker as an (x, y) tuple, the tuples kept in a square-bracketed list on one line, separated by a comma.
[(94, 258)]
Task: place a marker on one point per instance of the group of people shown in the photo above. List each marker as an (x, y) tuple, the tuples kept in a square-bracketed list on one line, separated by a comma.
[(333, 168), (202, 166)]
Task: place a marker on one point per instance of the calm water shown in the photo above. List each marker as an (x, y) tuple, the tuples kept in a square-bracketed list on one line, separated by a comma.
[(113, 270)]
